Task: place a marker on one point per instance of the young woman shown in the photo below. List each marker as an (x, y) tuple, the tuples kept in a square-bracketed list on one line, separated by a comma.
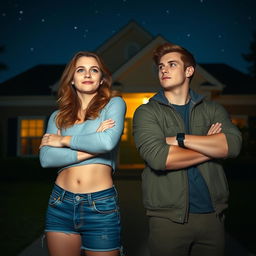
[(82, 138)]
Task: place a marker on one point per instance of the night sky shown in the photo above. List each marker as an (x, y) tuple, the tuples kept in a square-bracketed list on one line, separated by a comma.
[(50, 32)]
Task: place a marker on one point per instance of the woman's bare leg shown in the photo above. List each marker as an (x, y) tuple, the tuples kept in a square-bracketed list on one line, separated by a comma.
[(63, 244), (109, 253)]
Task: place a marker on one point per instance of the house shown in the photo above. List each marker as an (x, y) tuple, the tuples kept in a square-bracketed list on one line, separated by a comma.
[(27, 100)]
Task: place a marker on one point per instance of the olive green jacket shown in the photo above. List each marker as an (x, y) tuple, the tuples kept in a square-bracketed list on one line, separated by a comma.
[(165, 192)]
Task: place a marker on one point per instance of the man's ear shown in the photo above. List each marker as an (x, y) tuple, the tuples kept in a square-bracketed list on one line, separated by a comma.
[(190, 71)]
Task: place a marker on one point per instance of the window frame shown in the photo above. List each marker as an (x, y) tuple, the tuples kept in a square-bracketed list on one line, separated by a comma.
[(19, 137)]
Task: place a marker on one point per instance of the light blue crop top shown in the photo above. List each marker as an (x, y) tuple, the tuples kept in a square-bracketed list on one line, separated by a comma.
[(85, 138)]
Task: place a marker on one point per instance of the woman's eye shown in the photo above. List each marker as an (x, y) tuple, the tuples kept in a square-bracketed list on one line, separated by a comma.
[(173, 64), (80, 70), (95, 70)]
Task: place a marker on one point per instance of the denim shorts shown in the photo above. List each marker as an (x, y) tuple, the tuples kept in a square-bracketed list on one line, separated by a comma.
[(94, 216)]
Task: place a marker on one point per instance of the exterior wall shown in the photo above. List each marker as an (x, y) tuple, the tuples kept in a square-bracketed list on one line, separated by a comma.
[(238, 104), (116, 53), (197, 85), (13, 107), (141, 76)]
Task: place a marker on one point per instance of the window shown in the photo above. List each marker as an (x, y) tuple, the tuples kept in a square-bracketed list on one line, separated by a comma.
[(125, 132), (31, 131), (240, 121)]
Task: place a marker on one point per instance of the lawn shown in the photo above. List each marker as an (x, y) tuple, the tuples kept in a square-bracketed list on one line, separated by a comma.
[(22, 214), (241, 221)]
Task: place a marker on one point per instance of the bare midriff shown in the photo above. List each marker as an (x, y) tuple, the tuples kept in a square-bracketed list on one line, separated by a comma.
[(85, 178)]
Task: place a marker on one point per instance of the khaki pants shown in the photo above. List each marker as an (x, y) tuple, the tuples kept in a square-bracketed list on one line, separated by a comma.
[(203, 235)]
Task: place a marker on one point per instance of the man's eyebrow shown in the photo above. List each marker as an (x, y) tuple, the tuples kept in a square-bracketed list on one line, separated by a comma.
[(170, 61)]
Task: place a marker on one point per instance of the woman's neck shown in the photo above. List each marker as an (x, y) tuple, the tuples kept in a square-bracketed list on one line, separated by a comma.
[(85, 100)]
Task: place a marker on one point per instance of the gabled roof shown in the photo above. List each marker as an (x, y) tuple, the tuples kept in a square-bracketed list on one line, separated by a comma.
[(235, 81), (132, 25), (35, 81), (149, 47), (120, 47), (211, 81), (138, 74)]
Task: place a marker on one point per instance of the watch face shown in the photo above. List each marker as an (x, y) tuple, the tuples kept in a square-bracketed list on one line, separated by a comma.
[(180, 139), (180, 136)]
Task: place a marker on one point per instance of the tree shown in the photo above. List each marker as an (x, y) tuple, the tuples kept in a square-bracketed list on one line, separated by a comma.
[(251, 57)]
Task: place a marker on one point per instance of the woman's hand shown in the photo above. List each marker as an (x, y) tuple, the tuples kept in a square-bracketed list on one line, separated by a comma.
[(55, 140), (107, 124)]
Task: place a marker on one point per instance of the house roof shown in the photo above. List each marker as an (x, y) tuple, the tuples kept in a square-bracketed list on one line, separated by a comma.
[(132, 25), (235, 81), (35, 81)]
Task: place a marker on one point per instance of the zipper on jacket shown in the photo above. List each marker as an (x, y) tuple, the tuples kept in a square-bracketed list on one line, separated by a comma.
[(181, 122)]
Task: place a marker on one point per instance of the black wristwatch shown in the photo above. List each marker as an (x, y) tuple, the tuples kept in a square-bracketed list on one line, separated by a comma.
[(180, 138)]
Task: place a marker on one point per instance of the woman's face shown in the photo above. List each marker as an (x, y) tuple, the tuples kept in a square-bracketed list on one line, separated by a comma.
[(87, 76)]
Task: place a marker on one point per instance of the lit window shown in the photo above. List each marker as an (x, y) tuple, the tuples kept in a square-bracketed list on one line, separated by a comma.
[(125, 133), (30, 133), (240, 121)]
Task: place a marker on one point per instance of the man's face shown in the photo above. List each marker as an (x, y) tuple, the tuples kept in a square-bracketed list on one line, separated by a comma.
[(171, 71)]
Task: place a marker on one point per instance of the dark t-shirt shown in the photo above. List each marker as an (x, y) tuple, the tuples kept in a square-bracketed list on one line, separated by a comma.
[(199, 196)]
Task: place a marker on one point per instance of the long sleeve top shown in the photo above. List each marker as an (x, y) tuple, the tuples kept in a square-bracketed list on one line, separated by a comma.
[(85, 138)]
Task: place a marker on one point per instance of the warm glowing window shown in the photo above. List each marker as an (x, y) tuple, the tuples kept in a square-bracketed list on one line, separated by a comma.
[(125, 133), (31, 132), (240, 121)]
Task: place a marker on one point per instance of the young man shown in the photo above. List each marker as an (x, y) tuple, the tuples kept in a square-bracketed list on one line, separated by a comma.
[(181, 136)]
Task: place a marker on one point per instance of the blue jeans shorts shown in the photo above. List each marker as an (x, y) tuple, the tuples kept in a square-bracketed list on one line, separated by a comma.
[(94, 216)]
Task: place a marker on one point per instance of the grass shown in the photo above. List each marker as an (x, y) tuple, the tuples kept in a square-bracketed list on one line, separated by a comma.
[(241, 221), (22, 214)]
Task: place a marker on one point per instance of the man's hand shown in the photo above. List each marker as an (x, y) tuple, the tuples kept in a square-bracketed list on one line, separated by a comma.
[(171, 141), (215, 128)]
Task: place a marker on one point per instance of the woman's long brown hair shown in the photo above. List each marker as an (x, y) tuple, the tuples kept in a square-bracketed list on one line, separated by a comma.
[(68, 101)]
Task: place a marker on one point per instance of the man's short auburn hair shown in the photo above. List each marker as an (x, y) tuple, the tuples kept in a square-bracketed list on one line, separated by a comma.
[(165, 48)]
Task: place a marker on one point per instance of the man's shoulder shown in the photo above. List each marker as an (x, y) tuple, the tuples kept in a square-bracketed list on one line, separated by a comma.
[(211, 104), (148, 109), (149, 106)]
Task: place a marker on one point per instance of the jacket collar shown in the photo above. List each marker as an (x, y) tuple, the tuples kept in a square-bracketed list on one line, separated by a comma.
[(160, 97)]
